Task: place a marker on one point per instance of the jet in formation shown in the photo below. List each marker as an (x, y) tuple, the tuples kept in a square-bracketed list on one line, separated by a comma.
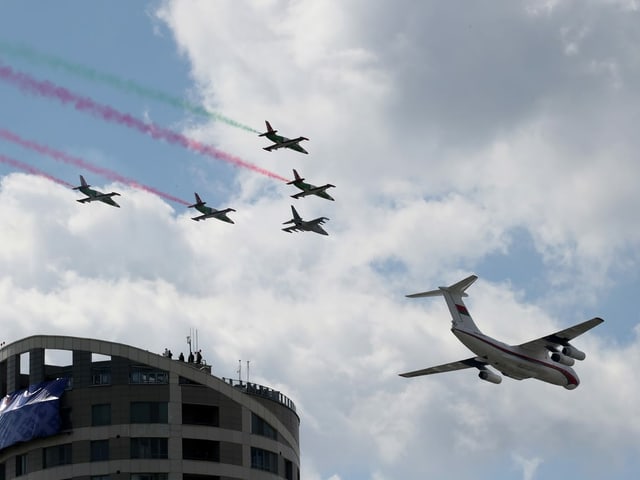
[(208, 212), (300, 225), (95, 195), (308, 189), (548, 358), (282, 142)]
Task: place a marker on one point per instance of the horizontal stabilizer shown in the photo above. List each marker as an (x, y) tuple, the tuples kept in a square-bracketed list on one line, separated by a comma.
[(458, 288)]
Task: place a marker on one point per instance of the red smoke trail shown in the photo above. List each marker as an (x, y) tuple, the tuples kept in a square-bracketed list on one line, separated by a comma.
[(85, 104), (79, 162), (28, 168)]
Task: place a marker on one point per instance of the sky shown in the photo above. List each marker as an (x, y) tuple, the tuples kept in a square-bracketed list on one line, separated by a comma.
[(488, 138)]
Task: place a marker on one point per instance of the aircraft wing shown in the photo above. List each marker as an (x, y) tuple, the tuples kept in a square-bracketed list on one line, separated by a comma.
[(312, 191), (294, 228), (318, 221), (288, 143), (107, 199), (472, 362), (563, 337)]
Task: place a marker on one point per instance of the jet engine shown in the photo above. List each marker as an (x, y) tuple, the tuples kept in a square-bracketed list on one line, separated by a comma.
[(564, 360), (573, 352), (490, 376)]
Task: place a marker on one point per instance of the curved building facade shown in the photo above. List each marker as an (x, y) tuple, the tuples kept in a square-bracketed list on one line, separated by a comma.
[(123, 413)]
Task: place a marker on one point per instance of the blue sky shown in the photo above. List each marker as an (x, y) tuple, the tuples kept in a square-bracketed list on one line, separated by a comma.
[(126, 42), (495, 139)]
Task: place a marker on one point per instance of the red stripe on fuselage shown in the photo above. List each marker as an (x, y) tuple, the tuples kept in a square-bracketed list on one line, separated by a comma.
[(570, 378)]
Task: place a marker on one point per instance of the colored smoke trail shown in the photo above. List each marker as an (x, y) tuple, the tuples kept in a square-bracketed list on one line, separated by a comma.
[(79, 162), (29, 169), (31, 55), (85, 104)]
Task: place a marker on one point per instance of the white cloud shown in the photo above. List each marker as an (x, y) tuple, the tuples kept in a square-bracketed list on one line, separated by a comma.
[(445, 131)]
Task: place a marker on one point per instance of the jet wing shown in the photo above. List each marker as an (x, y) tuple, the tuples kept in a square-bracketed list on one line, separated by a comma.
[(563, 337), (275, 146), (107, 199), (288, 143), (312, 191), (472, 362), (293, 228), (318, 221)]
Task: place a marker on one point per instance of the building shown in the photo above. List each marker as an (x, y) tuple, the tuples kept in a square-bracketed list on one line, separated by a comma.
[(128, 414)]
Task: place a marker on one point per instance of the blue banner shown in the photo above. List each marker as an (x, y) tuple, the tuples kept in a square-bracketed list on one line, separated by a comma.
[(31, 413)]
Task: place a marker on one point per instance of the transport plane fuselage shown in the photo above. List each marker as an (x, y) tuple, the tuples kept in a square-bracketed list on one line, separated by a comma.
[(517, 363)]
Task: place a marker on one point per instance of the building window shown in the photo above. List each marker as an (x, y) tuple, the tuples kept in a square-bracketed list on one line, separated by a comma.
[(101, 376), (65, 418), (56, 455), (260, 427), (264, 460), (100, 477), (142, 374), (148, 412), (149, 447), (288, 470), (149, 476), (99, 450), (193, 414), (21, 464), (100, 414), (196, 449)]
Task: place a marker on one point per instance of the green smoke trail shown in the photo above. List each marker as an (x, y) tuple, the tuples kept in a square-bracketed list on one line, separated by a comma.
[(31, 55)]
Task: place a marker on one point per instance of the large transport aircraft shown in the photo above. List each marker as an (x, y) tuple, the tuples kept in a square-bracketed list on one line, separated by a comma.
[(95, 195), (547, 358), (282, 142)]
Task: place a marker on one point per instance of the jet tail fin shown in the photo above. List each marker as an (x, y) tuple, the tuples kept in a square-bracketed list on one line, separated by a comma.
[(297, 178), (269, 130), (83, 183), (199, 202), (295, 213)]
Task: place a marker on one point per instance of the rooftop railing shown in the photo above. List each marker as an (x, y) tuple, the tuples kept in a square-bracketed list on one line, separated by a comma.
[(262, 391)]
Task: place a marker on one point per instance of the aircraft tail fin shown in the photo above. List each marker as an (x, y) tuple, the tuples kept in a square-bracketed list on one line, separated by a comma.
[(269, 130), (199, 202), (83, 183), (296, 218), (297, 178), (453, 295), (295, 213)]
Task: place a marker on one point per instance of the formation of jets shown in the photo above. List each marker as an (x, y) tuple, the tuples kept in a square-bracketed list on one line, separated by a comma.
[(547, 358), (299, 225)]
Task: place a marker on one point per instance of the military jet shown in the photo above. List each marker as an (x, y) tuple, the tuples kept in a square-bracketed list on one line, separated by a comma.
[(308, 189), (208, 212), (95, 195), (548, 358), (282, 142), (300, 225)]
